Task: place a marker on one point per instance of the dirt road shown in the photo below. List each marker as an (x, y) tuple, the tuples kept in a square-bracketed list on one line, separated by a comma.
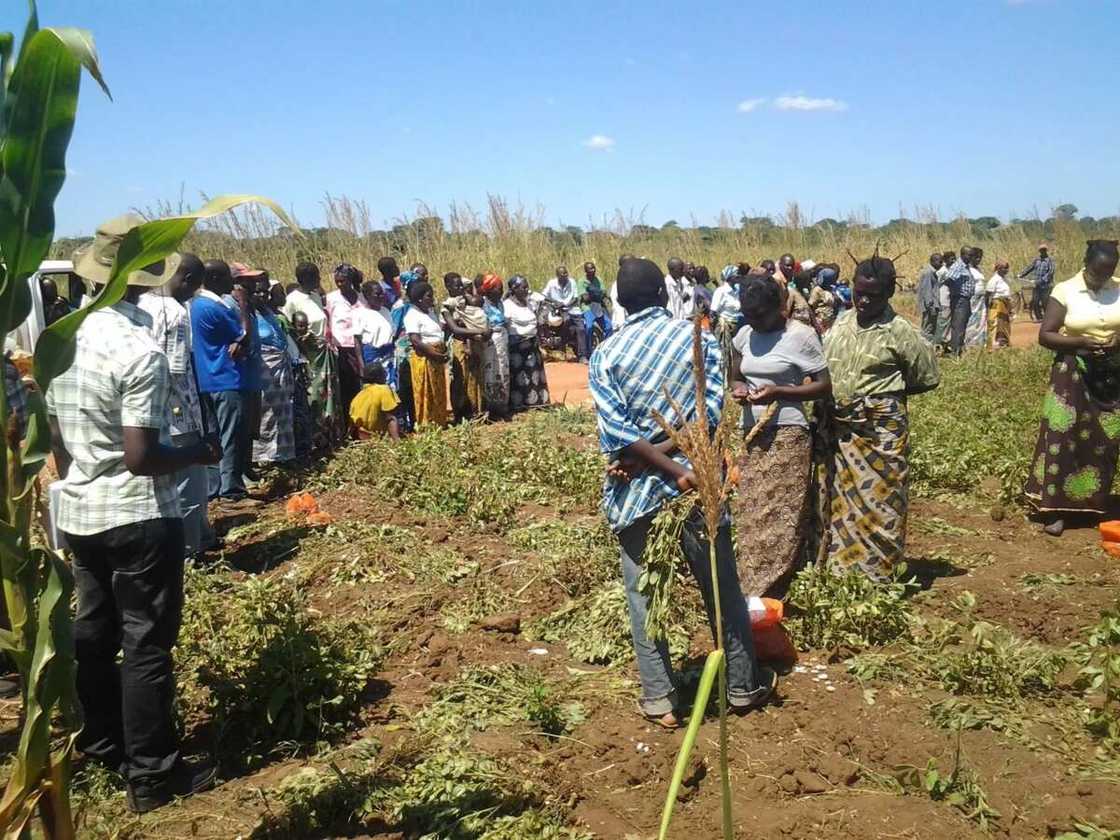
[(567, 381)]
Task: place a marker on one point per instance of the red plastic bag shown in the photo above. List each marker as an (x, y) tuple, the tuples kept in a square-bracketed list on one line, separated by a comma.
[(773, 645)]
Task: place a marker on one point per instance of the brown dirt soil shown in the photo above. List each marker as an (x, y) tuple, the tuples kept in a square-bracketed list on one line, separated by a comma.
[(811, 765)]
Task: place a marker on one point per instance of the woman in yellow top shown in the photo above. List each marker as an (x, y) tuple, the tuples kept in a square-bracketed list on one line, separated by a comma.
[(1078, 443), (373, 411)]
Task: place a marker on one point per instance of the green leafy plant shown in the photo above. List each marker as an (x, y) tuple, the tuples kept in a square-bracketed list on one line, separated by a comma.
[(830, 610), (960, 788), (1099, 677), (255, 663)]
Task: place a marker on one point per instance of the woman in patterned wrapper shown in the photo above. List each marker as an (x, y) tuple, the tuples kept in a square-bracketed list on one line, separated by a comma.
[(877, 360), (1075, 459), (528, 386)]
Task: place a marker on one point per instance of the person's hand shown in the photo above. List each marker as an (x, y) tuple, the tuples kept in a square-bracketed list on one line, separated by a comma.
[(624, 468), (740, 391), (237, 351), (764, 395), (210, 451), (241, 295), (687, 481)]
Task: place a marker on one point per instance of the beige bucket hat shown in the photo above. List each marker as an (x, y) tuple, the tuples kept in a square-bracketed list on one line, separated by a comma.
[(93, 262)]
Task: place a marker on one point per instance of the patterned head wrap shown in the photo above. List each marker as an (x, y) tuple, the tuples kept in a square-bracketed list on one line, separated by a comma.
[(489, 283), (408, 278), (728, 272)]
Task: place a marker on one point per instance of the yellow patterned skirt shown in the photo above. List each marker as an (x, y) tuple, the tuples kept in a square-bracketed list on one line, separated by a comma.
[(429, 391), (868, 485)]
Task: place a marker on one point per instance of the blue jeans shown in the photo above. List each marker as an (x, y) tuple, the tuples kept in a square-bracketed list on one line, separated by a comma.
[(225, 413), (655, 670), (589, 320), (193, 485)]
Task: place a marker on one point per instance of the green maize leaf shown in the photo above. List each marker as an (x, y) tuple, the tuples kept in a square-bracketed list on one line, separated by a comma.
[(80, 44), (37, 441), (712, 667), (31, 28), (7, 45), (43, 98), (50, 683), (143, 245)]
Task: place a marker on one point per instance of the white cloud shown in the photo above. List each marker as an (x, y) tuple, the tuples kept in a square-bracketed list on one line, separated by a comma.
[(809, 103), (599, 143), (748, 105)]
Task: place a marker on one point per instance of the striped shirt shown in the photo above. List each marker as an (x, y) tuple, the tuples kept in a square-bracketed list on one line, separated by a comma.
[(629, 375), (960, 279), (119, 378)]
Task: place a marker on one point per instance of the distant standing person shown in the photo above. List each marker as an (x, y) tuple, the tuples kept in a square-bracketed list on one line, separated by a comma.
[(976, 334), (528, 385), (276, 443), (632, 378), (929, 305), (1043, 270), (342, 306), (54, 305), (390, 280), (877, 361), (999, 305), (220, 345), (961, 286), (495, 354), (171, 329), (428, 362), (119, 510), (1075, 460), (944, 301), (679, 289)]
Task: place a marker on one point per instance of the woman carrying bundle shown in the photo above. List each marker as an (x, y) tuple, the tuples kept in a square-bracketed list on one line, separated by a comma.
[(877, 360), (528, 386), (774, 360), (1075, 459)]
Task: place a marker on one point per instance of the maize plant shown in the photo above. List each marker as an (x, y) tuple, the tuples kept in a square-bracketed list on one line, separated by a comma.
[(38, 101)]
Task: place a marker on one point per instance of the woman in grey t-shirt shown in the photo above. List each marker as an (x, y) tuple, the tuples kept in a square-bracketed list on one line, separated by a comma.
[(774, 360)]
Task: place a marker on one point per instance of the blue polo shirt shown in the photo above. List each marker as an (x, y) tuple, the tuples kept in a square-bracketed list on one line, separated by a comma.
[(213, 329)]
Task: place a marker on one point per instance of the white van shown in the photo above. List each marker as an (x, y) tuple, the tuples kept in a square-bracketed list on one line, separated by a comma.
[(70, 287)]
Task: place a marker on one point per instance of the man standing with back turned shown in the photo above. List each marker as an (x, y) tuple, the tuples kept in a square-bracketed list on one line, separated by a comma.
[(929, 305), (119, 511), (630, 375)]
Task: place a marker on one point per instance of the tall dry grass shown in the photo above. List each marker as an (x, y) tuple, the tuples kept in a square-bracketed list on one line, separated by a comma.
[(509, 239)]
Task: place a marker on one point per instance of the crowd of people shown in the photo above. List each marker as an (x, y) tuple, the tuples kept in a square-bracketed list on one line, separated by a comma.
[(206, 370)]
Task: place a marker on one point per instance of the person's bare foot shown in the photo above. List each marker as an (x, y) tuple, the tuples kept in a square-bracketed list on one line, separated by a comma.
[(1055, 528)]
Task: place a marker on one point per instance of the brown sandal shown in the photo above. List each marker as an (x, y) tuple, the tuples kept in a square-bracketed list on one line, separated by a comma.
[(668, 721)]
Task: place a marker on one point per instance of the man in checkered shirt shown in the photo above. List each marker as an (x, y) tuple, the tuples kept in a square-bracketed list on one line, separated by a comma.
[(629, 376), (119, 511)]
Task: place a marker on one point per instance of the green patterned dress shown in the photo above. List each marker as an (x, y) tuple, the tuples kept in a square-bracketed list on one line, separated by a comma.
[(865, 479), (1079, 439)]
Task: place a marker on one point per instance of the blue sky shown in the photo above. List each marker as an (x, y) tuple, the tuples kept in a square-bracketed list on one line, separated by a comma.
[(662, 109)]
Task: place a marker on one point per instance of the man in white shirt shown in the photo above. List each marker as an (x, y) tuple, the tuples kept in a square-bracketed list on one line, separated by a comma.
[(679, 287), (171, 328), (308, 299), (562, 293)]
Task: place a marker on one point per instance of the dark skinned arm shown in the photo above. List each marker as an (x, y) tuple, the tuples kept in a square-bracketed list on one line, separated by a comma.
[(426, 350), (145, 455), (58, 448), (394, 429), (1050, 336), (815, 387), (458, 331), (654, 458)]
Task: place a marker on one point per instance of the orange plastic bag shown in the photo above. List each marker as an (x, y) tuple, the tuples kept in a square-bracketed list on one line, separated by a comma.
[(1110, 531), (301, 504), (1111, 547), (764, 612), (773, 644)]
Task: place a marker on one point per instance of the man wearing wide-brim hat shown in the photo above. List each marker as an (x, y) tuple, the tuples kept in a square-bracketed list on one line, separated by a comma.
[(119, 511), (1043, 269)]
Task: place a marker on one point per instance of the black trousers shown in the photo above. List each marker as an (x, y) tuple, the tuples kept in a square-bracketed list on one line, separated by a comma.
[(129, 583), (1039, 296), (960, 309)]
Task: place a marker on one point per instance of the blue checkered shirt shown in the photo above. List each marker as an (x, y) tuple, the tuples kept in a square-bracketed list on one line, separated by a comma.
[(960, 281), (1043, 270), (629, 375)]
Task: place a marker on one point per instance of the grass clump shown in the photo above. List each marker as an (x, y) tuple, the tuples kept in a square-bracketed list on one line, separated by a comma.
[(481, 473), (255, 664), (832, 611), (502, 695), (595, 627), (579, 557)]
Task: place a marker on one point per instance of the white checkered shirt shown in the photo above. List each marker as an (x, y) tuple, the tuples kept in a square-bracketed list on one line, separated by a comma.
[(119, 378)]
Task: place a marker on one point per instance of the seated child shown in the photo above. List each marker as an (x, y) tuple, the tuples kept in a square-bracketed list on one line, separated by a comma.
[(373, 410)]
